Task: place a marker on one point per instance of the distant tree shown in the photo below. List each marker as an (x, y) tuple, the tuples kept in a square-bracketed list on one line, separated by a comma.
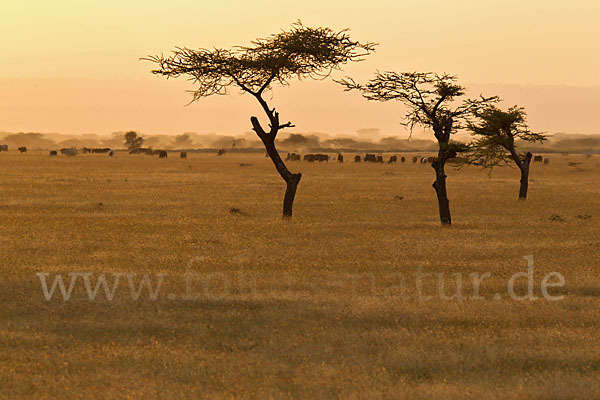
[(496, 133), (133, 141), (296, 139), (429, 99), (183, 140), (301, 52)]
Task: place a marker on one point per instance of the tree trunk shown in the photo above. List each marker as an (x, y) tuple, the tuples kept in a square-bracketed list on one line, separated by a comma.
[(290, 193), (440, 189), (290, 179), (524, 167)]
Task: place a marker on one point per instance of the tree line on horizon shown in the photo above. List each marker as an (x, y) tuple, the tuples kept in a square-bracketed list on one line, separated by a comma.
[(298, 142)]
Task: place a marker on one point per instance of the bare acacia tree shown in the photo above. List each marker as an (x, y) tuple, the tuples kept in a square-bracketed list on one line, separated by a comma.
[(300, 52), (496, 132), (429, 99)]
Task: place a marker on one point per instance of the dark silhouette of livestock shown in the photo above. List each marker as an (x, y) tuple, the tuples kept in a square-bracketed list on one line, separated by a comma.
[(53, 153), (221, 152), (183, 154), (99, 150), (546, 160), (96, 150), (538, 159), (402, 159), (161, 153), (415, 159), (340, 158), (22, 149), (3, 147), (111, 153), (357, 159), (316, 157), (370, 158), (379, 159), (68, 151), (292, 157), (393, 159)]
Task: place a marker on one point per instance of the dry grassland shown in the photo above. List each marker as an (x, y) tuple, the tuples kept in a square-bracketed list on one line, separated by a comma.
[(308, 308)]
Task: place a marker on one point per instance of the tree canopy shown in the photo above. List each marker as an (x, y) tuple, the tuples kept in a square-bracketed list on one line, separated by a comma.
[(428, 95), (301, 52), (497, 134)]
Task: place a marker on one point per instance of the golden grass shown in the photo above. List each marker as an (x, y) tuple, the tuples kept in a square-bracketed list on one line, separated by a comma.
[(307, 308)]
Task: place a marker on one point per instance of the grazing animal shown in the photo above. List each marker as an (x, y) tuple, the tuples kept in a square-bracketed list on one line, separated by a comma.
[(423, 160), (53, 153), (22, 149), (111, 153), (3, 147), (379, 159), (538, 159), (357, 159), (221, 152), (86, 150), (415, 159), (98, 150), (402, 159), (183, 154), (292, 157), (307, 157), (162, 153), (370, 158), (317, 157), (546, 160), (340, 158), (68, 152), (393, 159)]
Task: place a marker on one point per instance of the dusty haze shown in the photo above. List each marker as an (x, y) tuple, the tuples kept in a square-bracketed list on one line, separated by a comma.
[(74, 67)]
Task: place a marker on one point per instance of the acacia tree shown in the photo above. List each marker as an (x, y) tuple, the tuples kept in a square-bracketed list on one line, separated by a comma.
[(496, 132), (300, 52), (429, 99)]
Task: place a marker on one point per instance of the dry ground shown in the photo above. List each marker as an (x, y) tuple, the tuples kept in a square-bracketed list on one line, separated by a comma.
[(308, 308)]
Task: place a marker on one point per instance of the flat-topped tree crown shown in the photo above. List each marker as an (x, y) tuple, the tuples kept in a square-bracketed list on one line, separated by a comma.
[(300, 52)]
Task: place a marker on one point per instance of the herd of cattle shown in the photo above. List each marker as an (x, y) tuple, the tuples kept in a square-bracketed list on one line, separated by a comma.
[(369, 157), (374, 158)]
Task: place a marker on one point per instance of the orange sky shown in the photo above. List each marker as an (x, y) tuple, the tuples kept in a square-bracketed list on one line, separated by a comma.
[(72, 66)]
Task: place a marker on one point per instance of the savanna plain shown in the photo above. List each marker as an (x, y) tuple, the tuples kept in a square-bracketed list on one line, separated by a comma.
[(325, 305)]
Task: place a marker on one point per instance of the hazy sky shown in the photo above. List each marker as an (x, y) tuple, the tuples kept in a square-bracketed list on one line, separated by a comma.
[(73, 66)]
